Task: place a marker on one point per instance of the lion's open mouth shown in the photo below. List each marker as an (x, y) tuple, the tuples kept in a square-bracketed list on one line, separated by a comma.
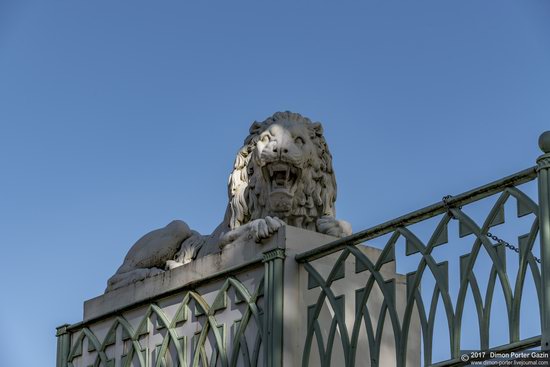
[(281, 176)]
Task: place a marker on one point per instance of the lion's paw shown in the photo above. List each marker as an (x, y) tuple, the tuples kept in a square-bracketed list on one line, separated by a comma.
[(256, 230), (264, 228), (333, 227)]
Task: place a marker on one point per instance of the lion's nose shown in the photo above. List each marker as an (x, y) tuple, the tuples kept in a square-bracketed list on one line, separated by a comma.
[(280, 151)]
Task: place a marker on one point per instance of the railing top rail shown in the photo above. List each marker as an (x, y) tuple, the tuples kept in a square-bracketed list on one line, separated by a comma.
[(419, 215)]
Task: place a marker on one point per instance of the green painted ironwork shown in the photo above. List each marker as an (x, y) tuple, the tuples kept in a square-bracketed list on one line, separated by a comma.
[(210, 341), (63, 345), (273, 323), (543, 170), (450, 209)]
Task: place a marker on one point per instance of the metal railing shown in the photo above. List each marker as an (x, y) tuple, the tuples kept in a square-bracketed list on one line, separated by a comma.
[(424, 304)]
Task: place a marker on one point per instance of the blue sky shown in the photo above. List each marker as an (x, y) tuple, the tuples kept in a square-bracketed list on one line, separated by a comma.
[(117, 117)]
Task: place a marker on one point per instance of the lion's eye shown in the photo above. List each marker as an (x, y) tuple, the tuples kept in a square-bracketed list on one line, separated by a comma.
[(299, 140), (265, 138)]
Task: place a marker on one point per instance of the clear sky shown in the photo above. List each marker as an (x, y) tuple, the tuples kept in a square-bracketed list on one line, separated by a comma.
[(119, 116)]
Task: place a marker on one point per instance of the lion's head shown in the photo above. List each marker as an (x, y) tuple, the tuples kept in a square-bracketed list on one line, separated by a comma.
[(284, 169)]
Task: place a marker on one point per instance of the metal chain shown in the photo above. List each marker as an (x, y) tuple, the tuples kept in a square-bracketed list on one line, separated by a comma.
[(511, 247), (500, 241)]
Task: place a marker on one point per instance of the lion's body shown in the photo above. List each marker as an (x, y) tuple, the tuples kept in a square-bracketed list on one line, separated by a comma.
[(282, 175)]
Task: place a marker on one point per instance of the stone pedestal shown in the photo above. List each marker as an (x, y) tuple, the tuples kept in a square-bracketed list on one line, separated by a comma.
[(251, 304)]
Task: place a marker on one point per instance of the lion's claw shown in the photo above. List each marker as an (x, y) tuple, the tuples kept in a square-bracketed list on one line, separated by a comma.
[(265, 227), (273, 224)]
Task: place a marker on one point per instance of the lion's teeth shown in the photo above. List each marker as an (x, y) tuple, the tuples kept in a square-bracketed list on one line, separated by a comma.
[(281, 175)]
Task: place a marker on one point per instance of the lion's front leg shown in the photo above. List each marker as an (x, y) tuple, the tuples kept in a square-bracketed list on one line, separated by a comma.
[(333, 227), (257, 230)]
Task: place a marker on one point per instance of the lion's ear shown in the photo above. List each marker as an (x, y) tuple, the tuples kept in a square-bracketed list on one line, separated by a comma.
[(317, 128)]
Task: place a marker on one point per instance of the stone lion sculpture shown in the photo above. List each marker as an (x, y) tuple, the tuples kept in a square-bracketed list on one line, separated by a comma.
[(282, 175)]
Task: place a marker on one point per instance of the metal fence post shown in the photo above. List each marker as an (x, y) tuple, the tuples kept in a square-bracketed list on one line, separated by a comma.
[(273, 307), (63, 345), (543, 172)]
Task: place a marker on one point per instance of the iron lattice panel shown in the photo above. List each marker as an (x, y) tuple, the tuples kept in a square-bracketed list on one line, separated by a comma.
[(420, 305), (161, 341)]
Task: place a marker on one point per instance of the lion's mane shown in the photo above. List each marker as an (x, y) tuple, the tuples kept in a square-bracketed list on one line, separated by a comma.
[(316, 191)]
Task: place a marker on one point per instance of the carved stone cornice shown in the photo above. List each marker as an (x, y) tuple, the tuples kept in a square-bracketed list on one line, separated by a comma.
[(277, 253)]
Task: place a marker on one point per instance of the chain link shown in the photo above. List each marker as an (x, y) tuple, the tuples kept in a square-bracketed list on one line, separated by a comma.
[(500, 241), (508, 245)]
